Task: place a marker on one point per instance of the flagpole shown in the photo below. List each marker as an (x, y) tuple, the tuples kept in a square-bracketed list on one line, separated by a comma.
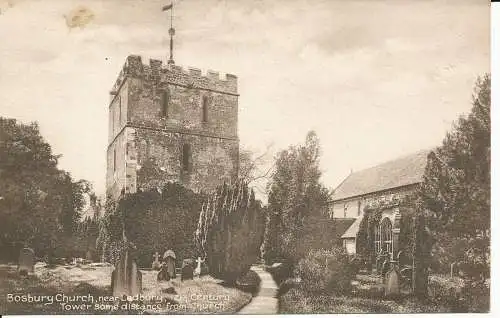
[(171, 31)]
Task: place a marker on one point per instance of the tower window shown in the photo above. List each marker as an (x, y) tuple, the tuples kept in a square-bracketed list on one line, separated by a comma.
[(186, 157), (205, 109), (165, 101)]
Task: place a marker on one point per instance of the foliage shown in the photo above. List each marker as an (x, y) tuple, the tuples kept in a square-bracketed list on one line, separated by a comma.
[(153, 222), (326, 272), (230, 231), (295, 193), (40, 205), (456, 189)]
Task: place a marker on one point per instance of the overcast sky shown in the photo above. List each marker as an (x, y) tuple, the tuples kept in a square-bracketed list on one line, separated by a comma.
[(375, 79)]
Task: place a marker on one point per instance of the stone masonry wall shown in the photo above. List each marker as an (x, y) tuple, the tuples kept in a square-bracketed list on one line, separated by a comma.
[(149, 145)]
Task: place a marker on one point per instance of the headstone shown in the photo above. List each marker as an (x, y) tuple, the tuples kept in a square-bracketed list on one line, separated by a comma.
[(392, 283), (156, 263), (126, 278), (169, 260), (163, 274), (26, 261), (187, 269)]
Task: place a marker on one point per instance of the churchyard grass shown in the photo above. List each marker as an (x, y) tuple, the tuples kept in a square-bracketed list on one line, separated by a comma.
[(203, 295), (297, 301)]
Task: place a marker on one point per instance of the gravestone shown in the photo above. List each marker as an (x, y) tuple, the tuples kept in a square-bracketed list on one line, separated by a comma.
[(156, 263), (163, 274), (169, 261), (126, 278), (392, 283), (187, 269), (26, 261)]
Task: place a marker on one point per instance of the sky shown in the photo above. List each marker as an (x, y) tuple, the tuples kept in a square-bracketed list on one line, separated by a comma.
[(375, 79)]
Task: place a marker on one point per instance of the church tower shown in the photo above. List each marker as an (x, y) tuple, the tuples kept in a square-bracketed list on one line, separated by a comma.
[(171, 124)]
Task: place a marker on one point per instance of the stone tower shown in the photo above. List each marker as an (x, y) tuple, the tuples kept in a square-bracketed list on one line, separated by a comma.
[(170, 124)]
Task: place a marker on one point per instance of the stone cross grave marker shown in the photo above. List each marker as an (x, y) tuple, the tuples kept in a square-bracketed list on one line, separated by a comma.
[(26, 261), (156, 262), (126, 278)]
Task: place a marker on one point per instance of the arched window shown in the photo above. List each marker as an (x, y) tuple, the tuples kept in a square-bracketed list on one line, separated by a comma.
[(186, 157), (386, 236), (205, 109)]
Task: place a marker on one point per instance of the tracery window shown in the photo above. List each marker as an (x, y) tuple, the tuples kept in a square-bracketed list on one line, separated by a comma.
[(383, 237)]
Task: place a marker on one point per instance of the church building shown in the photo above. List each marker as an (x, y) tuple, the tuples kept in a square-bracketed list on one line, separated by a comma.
[(166, 124), (388, 181)]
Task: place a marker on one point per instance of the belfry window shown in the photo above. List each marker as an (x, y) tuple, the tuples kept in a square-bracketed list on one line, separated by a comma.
[(165, 102), (186, 158), (205, 109)]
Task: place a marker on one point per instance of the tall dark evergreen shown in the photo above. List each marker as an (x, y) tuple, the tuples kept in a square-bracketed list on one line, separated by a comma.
[(295, 193), (39, 203), (456, 188)]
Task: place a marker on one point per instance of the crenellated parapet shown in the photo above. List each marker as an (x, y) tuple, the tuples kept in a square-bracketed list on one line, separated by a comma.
[(155, 71)]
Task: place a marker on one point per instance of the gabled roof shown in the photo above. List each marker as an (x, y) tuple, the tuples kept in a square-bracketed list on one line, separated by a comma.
[(353, 230), (396, 173)]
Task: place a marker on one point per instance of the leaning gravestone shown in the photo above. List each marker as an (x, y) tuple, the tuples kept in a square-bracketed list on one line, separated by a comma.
[(126, 278), (187, 269), (392, 283), (26, 261), (169, 261)]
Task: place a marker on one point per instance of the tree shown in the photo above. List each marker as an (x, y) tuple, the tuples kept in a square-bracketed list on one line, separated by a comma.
[(40, 203), (152, 221), (255, 168), (456, 188), (230, 231), (295, 193)]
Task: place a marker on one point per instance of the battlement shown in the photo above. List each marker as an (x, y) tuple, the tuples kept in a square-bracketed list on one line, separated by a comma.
[(191, 77)]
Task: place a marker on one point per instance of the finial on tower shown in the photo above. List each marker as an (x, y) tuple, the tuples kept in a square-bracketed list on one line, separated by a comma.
[(171, 31)]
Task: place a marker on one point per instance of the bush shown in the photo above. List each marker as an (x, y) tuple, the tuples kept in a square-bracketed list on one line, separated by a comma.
[(326, 271), (280, 271)]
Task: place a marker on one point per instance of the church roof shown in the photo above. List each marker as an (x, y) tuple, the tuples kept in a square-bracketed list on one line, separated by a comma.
[(396, 173)]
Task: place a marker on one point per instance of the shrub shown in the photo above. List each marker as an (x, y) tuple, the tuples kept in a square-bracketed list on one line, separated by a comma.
[(326, 271)]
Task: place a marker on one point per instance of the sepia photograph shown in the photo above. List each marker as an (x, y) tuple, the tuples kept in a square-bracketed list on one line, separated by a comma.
[(245, 157)]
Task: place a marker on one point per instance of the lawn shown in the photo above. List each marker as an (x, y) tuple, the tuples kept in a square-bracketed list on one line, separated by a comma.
[(201, 295), (445, 297), (296, 301)]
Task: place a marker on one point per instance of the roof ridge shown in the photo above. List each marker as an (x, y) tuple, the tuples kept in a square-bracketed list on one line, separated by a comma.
[(412, 154), (401, 171)]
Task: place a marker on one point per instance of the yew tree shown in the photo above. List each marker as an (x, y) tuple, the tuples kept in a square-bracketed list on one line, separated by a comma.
[(456, 188)]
